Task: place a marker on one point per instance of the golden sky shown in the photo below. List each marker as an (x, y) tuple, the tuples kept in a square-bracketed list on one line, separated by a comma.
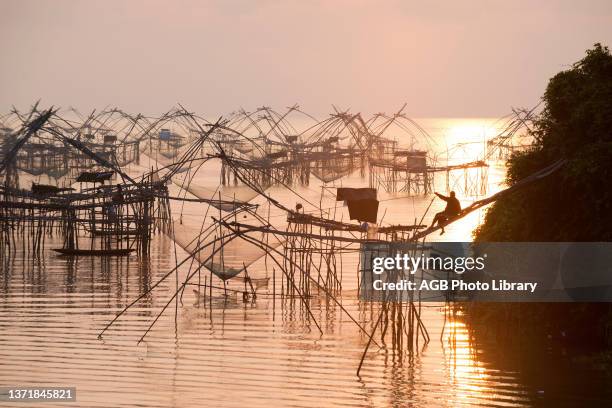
[(443, 58)]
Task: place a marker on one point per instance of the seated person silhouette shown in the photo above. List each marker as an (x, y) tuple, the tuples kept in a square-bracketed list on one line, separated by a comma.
[(453, 208)]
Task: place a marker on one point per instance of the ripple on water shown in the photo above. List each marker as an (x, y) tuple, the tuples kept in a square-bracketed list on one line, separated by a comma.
[(51, 314)]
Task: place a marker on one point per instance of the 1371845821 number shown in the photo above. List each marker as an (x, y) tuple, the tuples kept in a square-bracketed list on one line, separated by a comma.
[(37, 393)]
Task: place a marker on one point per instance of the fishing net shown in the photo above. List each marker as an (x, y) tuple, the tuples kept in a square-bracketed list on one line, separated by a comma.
[(328, 171), (231, 256)]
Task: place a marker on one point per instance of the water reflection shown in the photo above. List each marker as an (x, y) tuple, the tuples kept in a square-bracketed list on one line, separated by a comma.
[(54, 307), (265, 352)]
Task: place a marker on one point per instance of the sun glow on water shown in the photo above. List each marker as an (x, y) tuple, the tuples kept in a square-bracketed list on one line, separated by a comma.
[(466, 140)]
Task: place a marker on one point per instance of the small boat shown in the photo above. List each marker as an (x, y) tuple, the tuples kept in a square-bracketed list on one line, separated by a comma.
[(94, 252)]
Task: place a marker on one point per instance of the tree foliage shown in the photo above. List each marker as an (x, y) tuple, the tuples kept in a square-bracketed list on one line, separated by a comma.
[(574, 204)]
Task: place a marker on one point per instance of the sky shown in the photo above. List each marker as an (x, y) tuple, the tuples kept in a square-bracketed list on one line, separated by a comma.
[(468, 58)]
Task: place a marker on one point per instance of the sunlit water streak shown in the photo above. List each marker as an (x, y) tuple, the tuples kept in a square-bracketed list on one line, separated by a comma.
[(261, 354), (228, 356)]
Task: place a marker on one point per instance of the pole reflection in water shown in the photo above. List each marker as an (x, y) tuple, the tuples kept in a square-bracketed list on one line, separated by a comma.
[(267, 351), (53, 309)]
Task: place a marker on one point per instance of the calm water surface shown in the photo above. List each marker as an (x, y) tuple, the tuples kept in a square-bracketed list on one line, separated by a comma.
[(264, 353)]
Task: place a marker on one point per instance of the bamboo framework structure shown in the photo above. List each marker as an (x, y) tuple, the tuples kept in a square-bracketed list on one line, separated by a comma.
[(104, 183)]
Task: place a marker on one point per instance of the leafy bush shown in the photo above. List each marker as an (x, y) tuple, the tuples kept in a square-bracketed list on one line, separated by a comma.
[(574, 204)]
